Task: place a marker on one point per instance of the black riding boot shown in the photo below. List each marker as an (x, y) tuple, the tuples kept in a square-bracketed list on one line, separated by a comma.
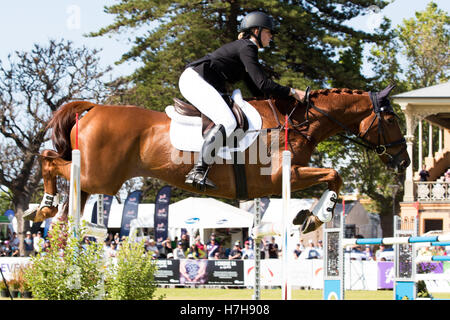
[(198, 175)]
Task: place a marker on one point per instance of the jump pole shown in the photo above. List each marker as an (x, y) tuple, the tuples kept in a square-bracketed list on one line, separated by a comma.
[(286, 193), (333, 262), (98, 231), (257, 257), (405, 259)]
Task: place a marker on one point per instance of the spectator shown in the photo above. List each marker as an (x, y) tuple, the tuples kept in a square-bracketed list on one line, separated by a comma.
[(166, 248), (14, 241), (424, 174), (174, 242), (213, 237), (212, 247), (85, 243), (38, 242), (223, 254), (28, 244), (379, 252), (297, 251), (152, 248), (247, 252), (112, 252), (368, 253), (46, 247), (262, 248), (199, 244), (273, 249), (447, 176), (6, 250), (217, 256), (178, 252), (185, 241), (195, 252), (320, 248), (235, 252)]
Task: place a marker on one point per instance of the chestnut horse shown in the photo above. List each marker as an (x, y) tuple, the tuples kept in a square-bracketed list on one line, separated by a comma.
[(121, 142)]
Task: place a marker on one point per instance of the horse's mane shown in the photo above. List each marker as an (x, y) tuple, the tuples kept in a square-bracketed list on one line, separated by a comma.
[(316, 93)]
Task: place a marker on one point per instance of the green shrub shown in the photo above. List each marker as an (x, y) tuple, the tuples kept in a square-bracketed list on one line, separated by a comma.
[(66, 271), (132, 276)]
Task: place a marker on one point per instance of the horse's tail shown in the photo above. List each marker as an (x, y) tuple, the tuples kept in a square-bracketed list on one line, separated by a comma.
[(62, 123)]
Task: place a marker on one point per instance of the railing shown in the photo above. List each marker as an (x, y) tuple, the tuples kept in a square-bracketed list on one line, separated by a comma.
[(433, 191)]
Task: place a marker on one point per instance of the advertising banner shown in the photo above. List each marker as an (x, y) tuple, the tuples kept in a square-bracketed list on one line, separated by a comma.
[(202, 271), (107, 201), (168, 272), (161, 218), (10, 264), (386, 275), (130, 211)]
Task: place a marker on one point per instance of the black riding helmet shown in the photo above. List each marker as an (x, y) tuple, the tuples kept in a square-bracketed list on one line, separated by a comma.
[(258, 20)]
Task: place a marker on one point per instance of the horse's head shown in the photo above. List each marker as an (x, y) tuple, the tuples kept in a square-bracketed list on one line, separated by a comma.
[(382, 131)]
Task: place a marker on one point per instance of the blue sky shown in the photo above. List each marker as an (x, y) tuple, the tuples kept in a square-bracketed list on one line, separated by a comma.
[(25, 22)]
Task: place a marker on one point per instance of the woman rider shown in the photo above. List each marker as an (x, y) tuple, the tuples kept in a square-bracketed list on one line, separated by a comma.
[(203, 82)]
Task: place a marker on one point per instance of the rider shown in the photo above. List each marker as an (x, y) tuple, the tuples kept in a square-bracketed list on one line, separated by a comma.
[(203, 83)]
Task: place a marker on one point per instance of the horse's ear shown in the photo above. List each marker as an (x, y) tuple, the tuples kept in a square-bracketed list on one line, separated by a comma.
[(386, 91)]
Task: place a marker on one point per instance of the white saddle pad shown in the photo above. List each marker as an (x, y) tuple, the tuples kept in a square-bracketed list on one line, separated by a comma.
[(186, 132)]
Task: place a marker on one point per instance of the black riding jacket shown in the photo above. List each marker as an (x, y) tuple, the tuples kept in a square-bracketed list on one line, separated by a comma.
[(234, 61)]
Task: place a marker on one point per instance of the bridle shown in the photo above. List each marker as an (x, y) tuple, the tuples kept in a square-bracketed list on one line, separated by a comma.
[(380, 149)]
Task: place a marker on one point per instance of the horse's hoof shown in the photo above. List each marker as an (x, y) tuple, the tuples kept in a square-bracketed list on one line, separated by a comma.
[(45, 213), (301, 217), (311, 224), (30, 214)]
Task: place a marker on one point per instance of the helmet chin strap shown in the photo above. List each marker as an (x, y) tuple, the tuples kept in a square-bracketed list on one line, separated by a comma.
[(258, 37)]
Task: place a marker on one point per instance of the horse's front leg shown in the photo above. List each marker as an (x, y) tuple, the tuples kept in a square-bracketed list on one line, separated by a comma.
[(52, 166), (304, 177)]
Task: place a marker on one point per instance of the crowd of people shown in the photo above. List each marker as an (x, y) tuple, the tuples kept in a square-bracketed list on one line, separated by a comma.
[(213, 249), (33, 243)]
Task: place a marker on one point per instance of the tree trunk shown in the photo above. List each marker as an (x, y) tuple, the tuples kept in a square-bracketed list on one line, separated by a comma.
[(21, 204), (387, 221)]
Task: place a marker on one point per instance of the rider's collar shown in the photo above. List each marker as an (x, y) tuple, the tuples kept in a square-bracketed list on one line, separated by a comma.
[(254, 42)]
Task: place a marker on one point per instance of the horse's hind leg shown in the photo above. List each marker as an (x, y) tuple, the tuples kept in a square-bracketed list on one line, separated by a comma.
[(52, 166)]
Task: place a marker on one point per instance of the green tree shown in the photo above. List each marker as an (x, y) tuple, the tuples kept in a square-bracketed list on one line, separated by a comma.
[(425, 40), (313, 45), (33, 85)]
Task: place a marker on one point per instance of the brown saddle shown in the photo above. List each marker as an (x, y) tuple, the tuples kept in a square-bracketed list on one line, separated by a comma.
[(189, 110)]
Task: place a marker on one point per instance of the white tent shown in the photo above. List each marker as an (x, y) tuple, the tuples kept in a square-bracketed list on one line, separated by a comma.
[(190, 213), (274, 212), (145, 214), (208, 213)]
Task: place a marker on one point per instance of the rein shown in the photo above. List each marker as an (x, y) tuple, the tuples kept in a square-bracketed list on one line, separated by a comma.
[(380, 149)]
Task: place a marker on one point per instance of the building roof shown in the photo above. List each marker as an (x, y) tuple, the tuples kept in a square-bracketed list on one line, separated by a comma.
[(437, 91)]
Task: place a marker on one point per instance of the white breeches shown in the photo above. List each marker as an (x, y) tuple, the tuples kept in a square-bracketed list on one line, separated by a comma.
[(206, 99)]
